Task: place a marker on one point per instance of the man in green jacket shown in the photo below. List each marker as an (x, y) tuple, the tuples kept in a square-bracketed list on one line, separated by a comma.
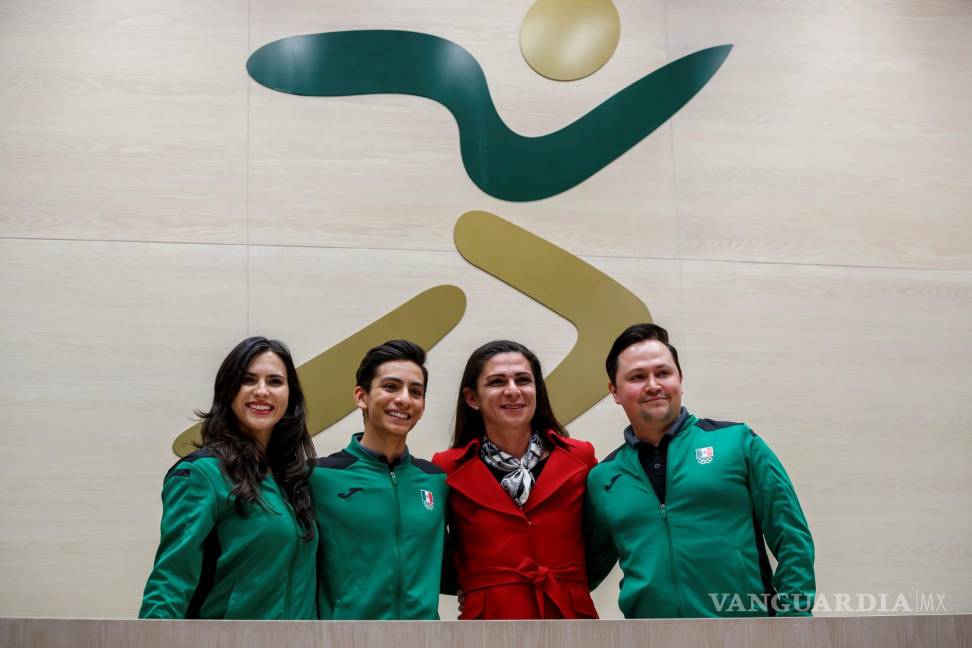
[(689, 505), (380, 511)]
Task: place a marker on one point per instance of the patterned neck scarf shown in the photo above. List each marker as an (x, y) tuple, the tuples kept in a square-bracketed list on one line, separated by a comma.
[(519, 480)]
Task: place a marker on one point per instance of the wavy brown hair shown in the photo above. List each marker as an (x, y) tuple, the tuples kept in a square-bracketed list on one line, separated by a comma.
[(469, 422), (289, 452)]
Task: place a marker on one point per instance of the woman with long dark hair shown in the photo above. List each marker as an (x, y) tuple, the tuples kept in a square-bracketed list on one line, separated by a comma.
[(238, 534), (516, 493)]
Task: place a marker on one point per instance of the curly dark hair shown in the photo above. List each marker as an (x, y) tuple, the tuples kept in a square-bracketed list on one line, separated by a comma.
[(289, 452), (469, 422)]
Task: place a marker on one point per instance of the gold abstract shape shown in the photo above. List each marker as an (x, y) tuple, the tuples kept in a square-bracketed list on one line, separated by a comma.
[(566, 40), (328, 378), (597, 305)]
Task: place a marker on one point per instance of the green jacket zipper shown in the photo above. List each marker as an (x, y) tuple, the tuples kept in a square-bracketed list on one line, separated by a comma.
[(671, 554), (668, 534), (398, 544)]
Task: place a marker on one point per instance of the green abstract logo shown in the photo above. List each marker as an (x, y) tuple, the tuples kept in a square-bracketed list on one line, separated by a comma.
[(501, 162)]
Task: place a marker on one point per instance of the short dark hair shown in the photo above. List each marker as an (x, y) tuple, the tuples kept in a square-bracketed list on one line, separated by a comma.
[(632, 335), (389, 352), (469, 423)]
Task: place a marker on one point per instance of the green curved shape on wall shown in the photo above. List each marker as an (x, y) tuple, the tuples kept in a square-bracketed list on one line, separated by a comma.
[(501, 162)]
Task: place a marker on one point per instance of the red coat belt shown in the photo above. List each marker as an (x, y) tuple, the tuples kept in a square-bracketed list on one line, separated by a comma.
[(547, 582)]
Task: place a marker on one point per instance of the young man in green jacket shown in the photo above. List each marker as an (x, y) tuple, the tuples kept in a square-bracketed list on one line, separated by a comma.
[(689, 505), (380, 511)]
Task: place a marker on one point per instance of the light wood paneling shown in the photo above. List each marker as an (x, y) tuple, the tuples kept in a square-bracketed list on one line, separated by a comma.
[(386, 170), (551, 634), (951, 631), (123, 120), (834, 133), (858, 379), (108, 347)]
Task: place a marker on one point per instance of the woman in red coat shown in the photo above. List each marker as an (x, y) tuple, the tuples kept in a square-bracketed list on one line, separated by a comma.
[(517, 494)]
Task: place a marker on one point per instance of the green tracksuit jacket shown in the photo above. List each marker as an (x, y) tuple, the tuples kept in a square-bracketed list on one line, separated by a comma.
[(702, 553), (382, 531), (214, 564)]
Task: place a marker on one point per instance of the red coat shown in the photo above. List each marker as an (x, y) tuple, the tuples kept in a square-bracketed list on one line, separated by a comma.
[(515, 563)]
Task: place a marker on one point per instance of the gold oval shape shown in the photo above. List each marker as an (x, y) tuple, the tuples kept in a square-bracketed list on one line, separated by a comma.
[(566, 40), (327, 379)]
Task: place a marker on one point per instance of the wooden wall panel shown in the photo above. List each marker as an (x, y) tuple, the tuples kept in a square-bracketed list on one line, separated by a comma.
[(834, 134), (868, 632), (123, 120), (107, 348)]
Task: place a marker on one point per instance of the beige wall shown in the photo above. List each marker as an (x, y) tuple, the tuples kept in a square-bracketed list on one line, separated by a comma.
[(802, 227)]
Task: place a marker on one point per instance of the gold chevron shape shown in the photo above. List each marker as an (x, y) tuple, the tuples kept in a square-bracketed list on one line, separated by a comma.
[(328, 378), (597, 305)]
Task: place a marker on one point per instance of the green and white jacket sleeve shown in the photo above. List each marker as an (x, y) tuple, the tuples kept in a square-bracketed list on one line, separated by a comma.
[(785, 528), (188, 516)]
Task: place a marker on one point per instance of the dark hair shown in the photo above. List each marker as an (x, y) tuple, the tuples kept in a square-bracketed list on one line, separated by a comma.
[(632, 335), (469, 422), (389, 352), (289, 452)]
